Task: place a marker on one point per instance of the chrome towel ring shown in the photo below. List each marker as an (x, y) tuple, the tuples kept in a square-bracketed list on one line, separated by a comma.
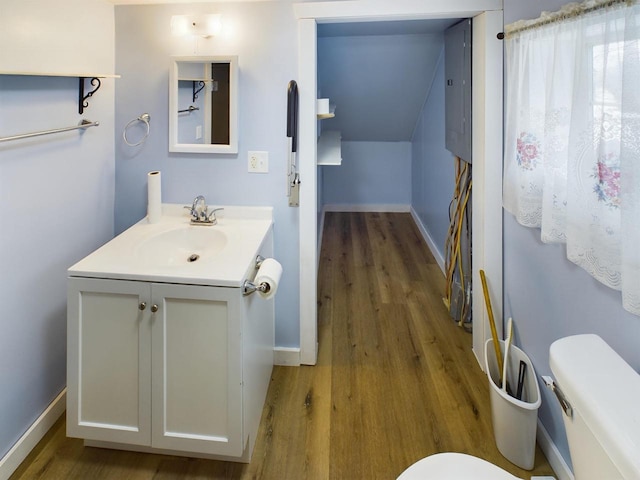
[(145, 118)]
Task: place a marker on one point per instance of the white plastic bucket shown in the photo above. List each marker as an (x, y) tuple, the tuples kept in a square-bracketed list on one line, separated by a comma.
[(514, 421)]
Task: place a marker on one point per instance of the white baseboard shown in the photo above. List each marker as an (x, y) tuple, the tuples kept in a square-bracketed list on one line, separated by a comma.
[(14, 457), (557, 462), (430, 242), (286, 356), (377, 207)]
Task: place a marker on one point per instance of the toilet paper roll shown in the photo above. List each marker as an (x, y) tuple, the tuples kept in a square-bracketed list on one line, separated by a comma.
[(154, 201), (269, 272), (322, 106)]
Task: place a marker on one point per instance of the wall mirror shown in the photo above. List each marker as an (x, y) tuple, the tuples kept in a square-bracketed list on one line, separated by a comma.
[(203, 104)]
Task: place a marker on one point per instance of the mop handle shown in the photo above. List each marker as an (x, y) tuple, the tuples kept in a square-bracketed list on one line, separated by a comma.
[(492, 323)]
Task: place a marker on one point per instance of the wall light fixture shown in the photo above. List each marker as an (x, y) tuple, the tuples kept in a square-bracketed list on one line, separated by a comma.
[(196, 25)]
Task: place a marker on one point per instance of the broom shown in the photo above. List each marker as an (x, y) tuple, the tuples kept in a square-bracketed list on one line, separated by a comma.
[(492, 323)]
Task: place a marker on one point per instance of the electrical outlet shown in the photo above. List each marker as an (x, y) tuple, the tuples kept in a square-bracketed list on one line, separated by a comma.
[(258, 162)]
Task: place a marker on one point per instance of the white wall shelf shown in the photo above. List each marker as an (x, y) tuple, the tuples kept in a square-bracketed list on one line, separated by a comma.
[(54, 74), (329, 148)]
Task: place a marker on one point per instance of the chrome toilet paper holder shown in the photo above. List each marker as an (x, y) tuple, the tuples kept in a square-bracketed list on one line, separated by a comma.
[(249, 287)]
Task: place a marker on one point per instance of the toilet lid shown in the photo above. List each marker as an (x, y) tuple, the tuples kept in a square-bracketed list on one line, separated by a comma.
[(454, 466)]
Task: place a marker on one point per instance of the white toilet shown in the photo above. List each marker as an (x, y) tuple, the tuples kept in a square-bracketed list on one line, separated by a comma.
[(454, 466), (600, 394)]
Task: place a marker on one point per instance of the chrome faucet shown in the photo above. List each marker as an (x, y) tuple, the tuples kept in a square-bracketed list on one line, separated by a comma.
[(198, 209), (200, 214)]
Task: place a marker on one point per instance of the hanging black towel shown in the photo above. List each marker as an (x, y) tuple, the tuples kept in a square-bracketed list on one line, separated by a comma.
[(292, 114)]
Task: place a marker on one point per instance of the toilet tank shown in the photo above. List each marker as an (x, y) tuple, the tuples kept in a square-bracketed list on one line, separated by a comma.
[(604, 393)]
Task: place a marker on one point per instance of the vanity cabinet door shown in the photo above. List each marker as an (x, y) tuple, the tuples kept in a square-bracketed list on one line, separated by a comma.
[(108, 361), (197, 369)]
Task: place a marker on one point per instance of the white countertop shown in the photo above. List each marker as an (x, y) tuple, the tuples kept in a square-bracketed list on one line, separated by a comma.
[(245, 229)]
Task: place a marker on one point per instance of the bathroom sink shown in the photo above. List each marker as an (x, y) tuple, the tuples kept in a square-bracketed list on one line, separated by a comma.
[(182, 246), (174, 251)]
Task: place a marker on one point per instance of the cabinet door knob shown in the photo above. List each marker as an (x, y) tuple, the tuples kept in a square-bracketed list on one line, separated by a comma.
[(154, 308), (142, 305)]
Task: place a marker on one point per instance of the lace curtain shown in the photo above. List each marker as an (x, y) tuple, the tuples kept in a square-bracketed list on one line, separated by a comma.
[(572, 136)]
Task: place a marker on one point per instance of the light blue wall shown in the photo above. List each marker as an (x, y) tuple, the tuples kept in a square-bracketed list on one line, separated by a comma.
[(56, 206), (377, 82), (432, 164), (372, 173), (549, 297), (264, 36)]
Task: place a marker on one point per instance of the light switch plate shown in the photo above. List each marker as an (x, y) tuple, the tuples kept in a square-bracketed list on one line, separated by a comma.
[(258, 162)]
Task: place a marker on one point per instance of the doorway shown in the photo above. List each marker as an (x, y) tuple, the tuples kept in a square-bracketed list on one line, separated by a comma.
[(486, 149)]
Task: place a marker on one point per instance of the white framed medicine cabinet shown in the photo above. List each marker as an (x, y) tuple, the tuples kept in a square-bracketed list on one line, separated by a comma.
[(203, 104)]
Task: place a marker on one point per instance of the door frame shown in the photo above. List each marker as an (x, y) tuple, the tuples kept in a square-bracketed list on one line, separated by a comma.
[(487, 126)]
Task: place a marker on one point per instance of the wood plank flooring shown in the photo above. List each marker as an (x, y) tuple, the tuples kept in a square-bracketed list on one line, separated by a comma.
[(395, 381)]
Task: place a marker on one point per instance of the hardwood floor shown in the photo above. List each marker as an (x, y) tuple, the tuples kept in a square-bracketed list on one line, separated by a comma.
[(395, 381)]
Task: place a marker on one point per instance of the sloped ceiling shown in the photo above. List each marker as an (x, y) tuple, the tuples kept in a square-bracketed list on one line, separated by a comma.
[(378, 75)]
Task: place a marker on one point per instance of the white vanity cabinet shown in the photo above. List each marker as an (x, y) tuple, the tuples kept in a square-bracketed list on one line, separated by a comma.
[(165, 352), (155, 364)]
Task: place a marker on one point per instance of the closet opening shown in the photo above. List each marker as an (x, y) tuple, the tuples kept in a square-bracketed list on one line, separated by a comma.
[(486, 148)]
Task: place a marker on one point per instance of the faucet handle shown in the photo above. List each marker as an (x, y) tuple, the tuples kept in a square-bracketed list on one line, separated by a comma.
[(192, 212), (211, 216)]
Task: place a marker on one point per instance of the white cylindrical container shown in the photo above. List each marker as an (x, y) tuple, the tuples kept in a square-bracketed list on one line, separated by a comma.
[(154, 200)]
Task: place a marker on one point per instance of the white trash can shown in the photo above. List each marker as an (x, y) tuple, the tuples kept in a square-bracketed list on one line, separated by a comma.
[(514, 421)]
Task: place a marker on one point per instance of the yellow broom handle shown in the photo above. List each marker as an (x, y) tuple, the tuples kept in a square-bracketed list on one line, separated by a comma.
[(492, 323)]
